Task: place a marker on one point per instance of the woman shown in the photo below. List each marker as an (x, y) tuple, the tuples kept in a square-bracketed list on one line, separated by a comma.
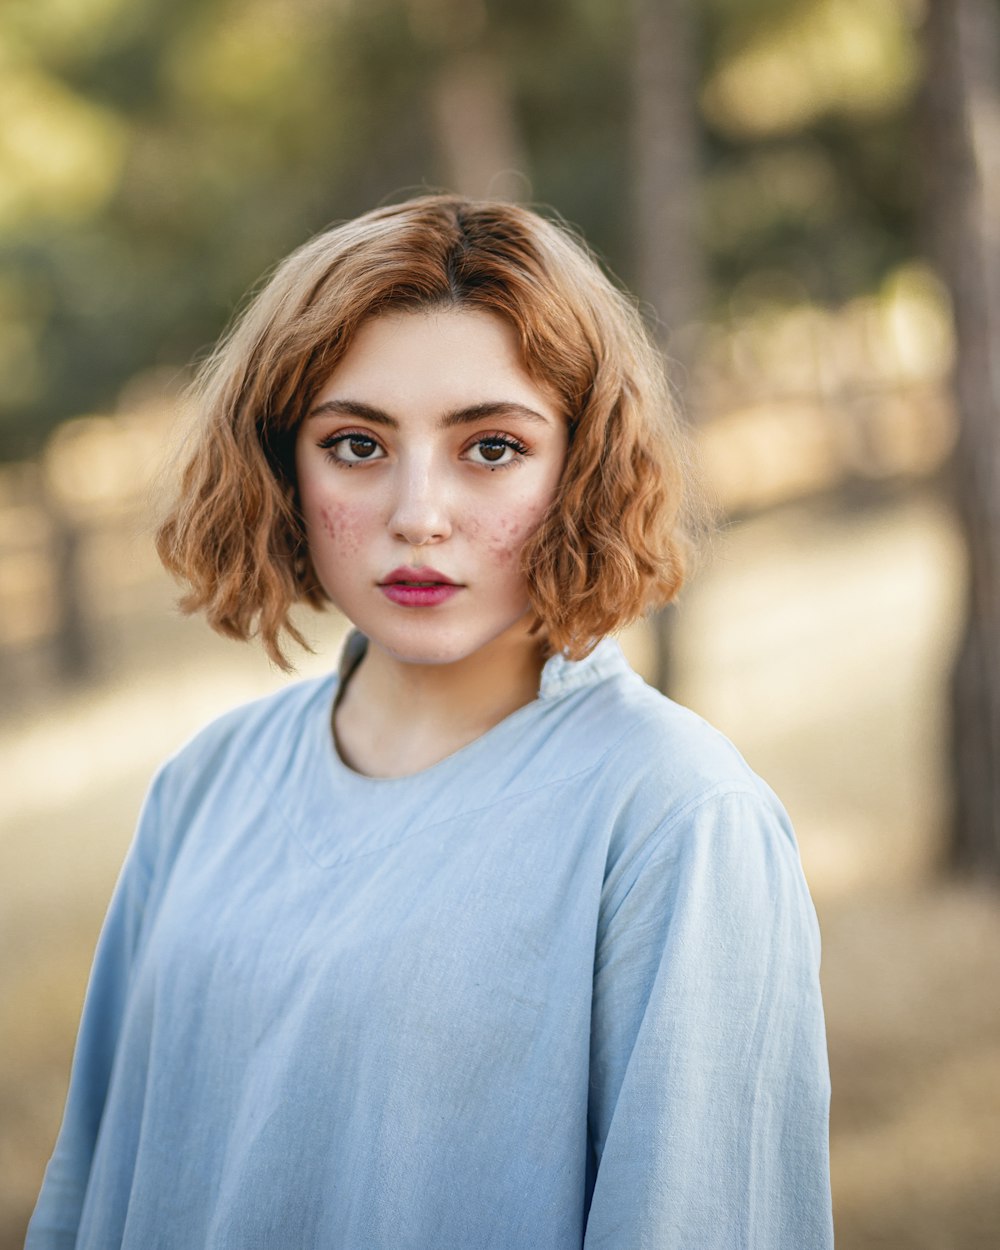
[(480, 942)]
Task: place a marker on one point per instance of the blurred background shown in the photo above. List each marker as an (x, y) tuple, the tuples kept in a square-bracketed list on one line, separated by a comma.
[(805, 194)]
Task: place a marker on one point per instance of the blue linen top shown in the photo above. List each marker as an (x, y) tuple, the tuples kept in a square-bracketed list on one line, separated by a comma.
[(558, 990)]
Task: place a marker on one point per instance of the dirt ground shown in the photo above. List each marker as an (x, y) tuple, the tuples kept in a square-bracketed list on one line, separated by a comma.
[(818, 638)]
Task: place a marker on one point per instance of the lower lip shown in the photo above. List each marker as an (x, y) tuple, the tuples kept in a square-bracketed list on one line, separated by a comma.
[(418, 596)]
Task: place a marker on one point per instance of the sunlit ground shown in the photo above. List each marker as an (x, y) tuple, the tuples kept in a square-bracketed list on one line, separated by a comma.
[(818, 638)]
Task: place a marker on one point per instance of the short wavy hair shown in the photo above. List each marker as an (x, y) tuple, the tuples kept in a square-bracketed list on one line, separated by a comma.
[(616, 539)]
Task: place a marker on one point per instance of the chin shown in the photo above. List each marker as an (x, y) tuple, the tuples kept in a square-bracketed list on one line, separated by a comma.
[(429, 651), (433, 643)]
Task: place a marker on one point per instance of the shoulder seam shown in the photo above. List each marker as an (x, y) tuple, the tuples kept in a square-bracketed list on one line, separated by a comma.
[(667, 825)]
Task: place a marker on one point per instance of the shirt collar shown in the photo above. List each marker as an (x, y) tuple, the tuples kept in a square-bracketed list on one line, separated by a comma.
[(560, 675)]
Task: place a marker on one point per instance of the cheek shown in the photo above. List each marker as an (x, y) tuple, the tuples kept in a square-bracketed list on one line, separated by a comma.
[(506, 539), (505, 533), (341, 527)]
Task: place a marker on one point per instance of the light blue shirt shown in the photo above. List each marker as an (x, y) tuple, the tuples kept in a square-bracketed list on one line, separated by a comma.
[(558, 990)]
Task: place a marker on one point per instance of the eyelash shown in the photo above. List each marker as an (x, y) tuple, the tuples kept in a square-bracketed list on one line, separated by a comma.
[(332, 441)]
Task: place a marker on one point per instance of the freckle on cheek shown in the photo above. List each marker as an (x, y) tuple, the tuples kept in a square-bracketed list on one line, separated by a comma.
[(342, 527), (508, 537)]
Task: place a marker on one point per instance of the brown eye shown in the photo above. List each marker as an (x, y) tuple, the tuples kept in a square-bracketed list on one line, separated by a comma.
[(492, 449), (352, 448), (496, 451)]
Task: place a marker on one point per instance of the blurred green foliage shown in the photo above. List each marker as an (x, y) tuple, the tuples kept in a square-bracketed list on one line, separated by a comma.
[(157, 156)]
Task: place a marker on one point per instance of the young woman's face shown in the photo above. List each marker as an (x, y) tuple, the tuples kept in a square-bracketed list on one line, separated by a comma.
[(427, 459)]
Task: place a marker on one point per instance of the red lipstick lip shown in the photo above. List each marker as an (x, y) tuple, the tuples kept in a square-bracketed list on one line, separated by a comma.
[(422, 574)]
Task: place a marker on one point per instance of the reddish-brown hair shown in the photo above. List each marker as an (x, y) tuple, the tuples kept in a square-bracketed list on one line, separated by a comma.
[(613, 544)]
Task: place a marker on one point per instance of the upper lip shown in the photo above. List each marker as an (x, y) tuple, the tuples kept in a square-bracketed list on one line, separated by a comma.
[(409, 574)]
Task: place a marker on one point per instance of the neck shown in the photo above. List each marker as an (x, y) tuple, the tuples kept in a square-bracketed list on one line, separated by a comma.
[(396, 718)]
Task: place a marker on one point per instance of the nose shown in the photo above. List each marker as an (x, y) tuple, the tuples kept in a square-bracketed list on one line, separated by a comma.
[(419, 508)]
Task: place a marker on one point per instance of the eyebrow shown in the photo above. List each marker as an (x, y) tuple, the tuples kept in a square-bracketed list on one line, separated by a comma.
[(459, 416)]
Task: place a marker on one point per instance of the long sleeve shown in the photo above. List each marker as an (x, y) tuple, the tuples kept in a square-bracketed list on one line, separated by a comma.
[(57, 1213), (709, 1093)]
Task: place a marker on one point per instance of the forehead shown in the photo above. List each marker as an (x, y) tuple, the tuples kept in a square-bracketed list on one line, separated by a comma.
[(435, 360)]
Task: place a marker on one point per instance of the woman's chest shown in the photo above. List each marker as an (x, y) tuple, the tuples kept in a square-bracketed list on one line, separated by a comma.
[(470, 934)]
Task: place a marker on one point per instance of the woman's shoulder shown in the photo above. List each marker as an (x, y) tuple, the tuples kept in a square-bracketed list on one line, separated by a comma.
[(247, 737), (629, 728), (229, 756), (665, 777)]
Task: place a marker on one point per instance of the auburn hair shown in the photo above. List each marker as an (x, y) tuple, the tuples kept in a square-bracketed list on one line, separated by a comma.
[(615, 541)]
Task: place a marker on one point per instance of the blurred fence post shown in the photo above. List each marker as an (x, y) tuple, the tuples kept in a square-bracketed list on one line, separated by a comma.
[(72, 638), (667, 197)]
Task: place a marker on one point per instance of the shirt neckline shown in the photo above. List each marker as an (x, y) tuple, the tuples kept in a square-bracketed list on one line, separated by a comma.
[(559, 676)]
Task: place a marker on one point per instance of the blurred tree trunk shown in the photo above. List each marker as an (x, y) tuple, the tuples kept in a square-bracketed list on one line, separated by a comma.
[(667, 188), (471, 101), (962, 132)]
